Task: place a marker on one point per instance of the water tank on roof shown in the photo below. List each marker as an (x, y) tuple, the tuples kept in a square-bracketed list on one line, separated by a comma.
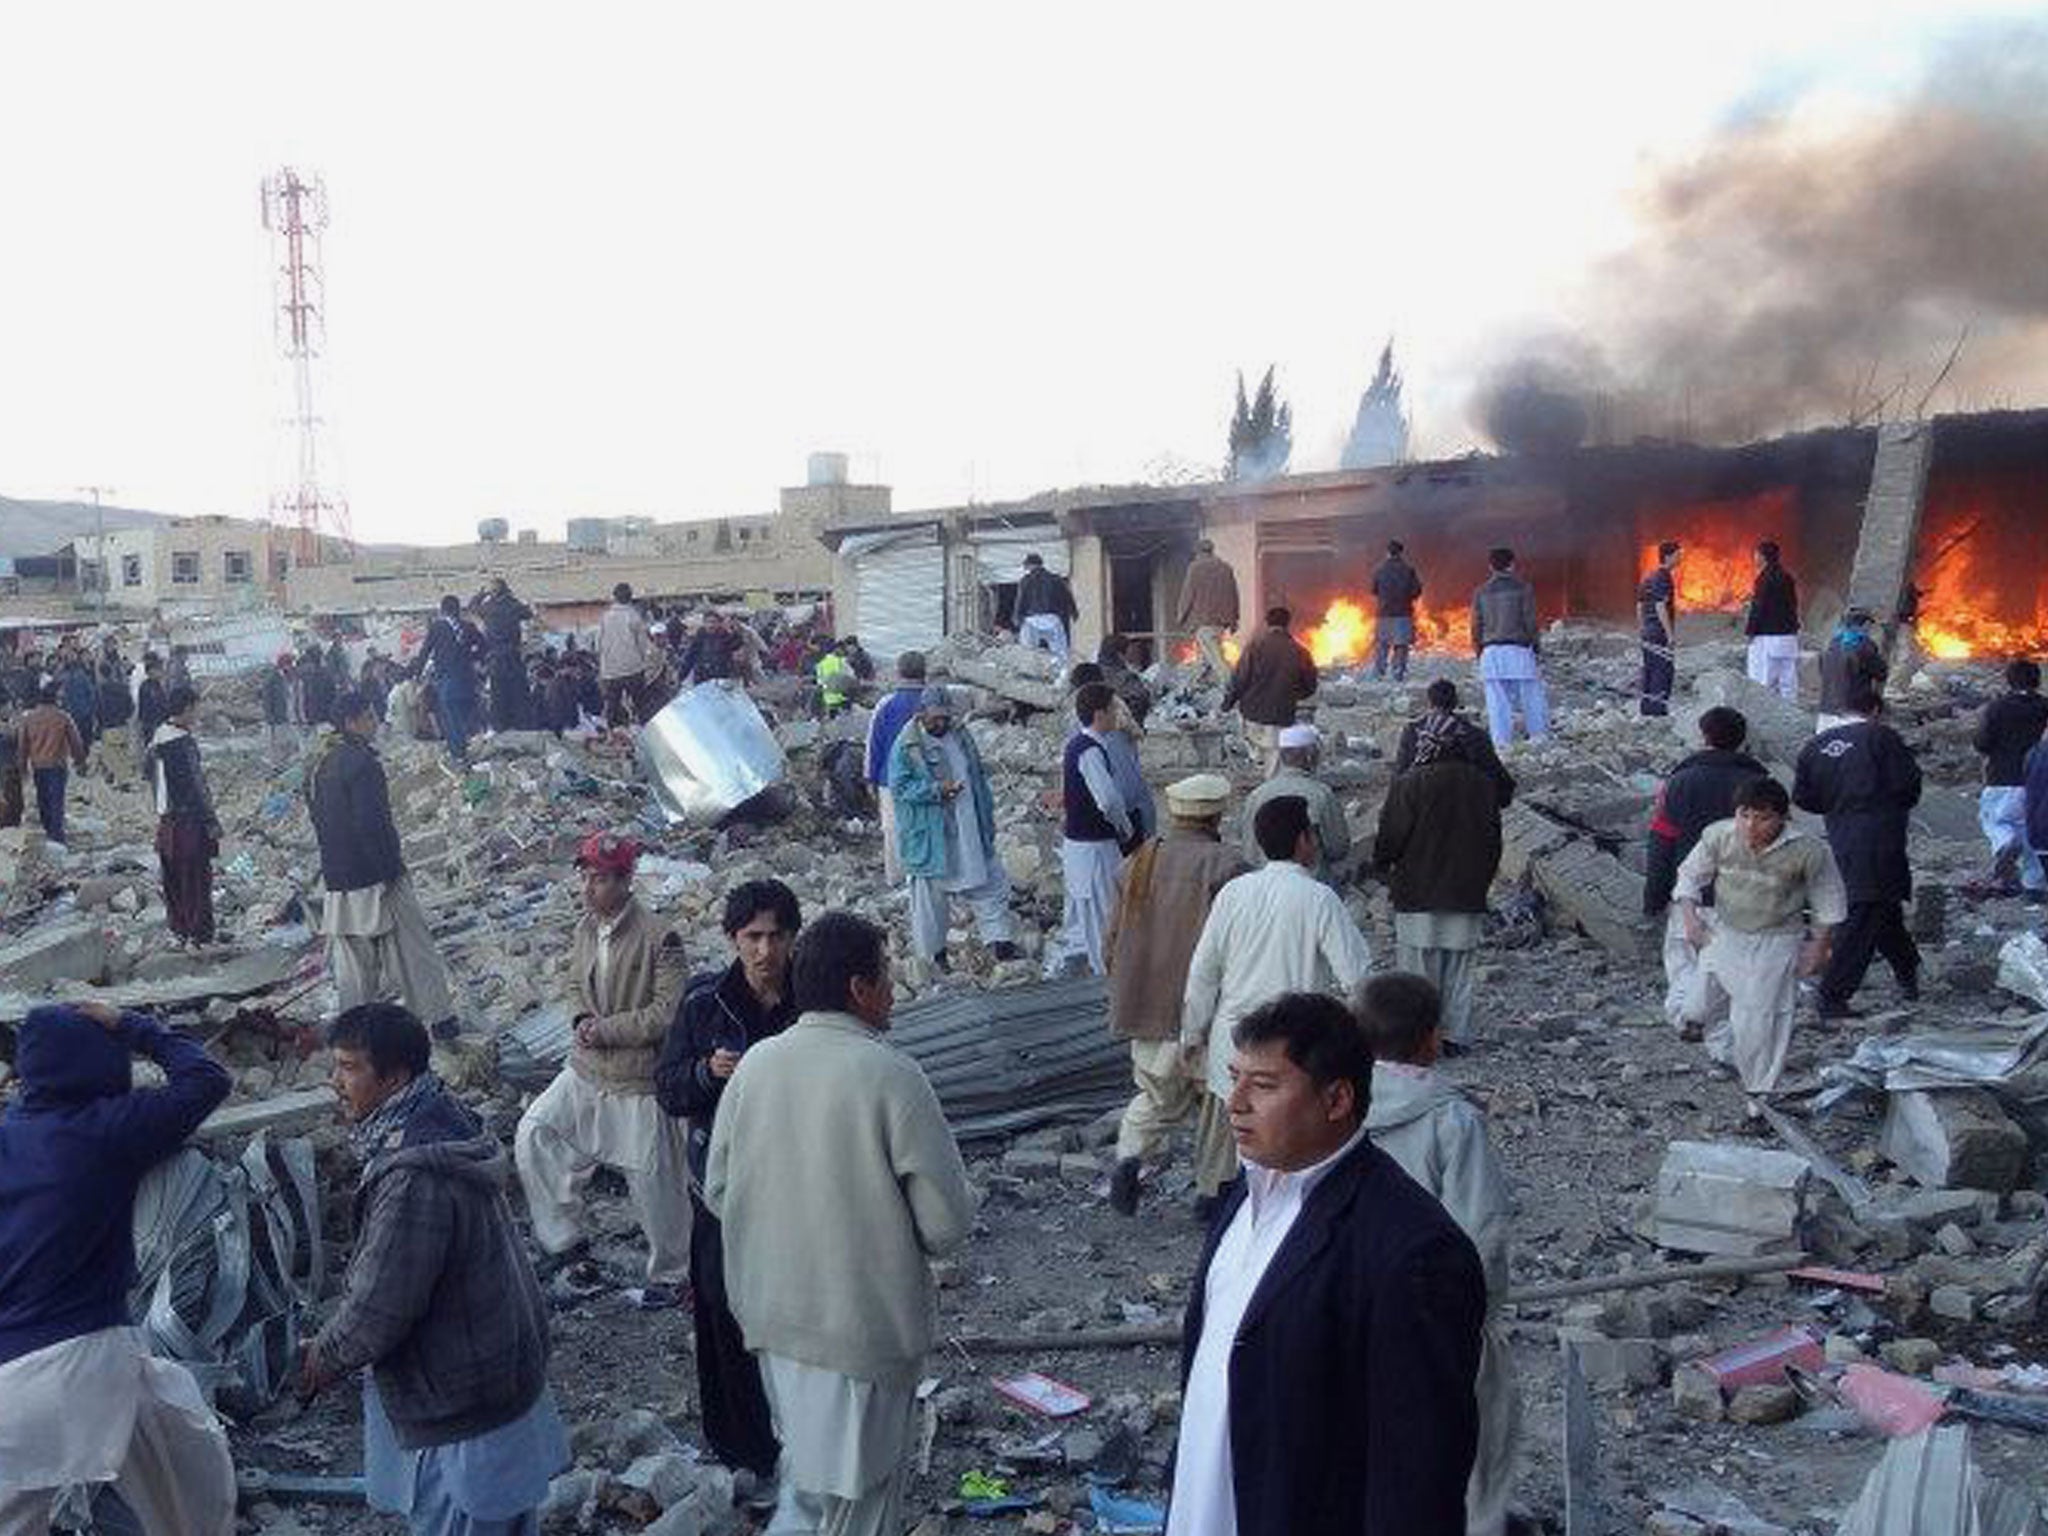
[(493, 530), (827, 469), (587, 534), (527, 536)]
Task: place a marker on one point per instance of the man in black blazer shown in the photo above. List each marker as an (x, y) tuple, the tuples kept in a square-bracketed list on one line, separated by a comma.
[(1333, 1330)]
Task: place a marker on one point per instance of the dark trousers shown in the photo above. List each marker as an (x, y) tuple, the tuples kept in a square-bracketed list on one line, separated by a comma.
[(185, 851), (509, 693), (617, 690), (1659, 673), (730, 1396), (50, 784), (457, 702), (1873, 928)]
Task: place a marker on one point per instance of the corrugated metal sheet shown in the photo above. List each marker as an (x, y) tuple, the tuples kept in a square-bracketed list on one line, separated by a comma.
[(1927, 1485), (999, 552), (901, 586)]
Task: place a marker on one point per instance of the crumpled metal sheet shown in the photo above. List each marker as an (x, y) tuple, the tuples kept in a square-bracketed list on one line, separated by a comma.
[(708, 752), (2023, 967), (227, 1257), (1986, 1057), (532, 1051), (1927, 1485)]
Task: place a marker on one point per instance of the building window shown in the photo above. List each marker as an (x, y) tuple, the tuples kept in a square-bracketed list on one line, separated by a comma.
[(131, 570), (690, 537), (236, 567), (185, 567), (280, 564), (746, 534)]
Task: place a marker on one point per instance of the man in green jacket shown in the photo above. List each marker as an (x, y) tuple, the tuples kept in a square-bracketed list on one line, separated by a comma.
[(946, 832), (837, 1182)]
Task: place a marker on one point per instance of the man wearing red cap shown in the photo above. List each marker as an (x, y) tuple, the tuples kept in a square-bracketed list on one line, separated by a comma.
[(627, 971)]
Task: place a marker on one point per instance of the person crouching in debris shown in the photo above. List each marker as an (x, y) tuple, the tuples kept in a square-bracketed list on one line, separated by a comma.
[(1169, 885), (1332, 1340), (946, 832), (81, 1398), (1700, 791), (378, 942), (724, 1015), (627, 971), (1098, 829), (1438, 1136), (1770, 880), (187, 831), (1277, 929), (1440, 837), (836, 1179), (440, 1309)]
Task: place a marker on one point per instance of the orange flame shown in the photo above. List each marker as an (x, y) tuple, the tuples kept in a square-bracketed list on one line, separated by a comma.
[(1717, 570), (1955, 620), (1189, 653), (1345, 636)]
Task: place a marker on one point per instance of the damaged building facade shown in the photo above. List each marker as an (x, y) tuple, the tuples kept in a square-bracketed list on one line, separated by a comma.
[(1952, 504)]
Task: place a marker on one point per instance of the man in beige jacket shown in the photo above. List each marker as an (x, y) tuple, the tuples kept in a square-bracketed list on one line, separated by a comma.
[(1208, 606), (627, 971), (837, 1181)]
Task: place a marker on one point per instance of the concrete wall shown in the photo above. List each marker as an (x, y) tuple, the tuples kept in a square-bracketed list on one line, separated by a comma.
[(1089, 577), (152, 557)]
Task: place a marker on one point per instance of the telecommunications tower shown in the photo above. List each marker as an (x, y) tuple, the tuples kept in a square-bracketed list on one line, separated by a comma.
[(295, 211)]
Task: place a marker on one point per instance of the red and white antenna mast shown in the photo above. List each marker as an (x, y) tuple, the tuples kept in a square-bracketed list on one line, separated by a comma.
[(295, 212)]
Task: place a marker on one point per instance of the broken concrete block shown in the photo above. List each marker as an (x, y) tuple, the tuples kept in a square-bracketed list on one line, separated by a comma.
[(21, 858), (1616, 1362), (1953, 1302), (1778, 727), (1843, 1350), (286, 1112), (1764, 1402), (1695, 1394), (1912, 1357), (1715, 1197), (1955, 1242), (54, 952), (1953, 1137), (1032, 1162), (1595, 890)]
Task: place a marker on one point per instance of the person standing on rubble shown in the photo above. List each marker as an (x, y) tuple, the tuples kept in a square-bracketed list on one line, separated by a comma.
[(1295, 774), (1440, 837), (884, 726), (1168, 887), (149, 704), (1851, 665), (1395, 590), (1439, 1138), (1333, 1334), (724, 1015), (1113, 657), (81, 1398), (50, 745), (378, 941), (713, 651), (1209, 607), (440, 1310), (187, 830), (317, 688), (80, 695), (1121, 742), (1700, 791), (1656, 611), (946, 832), (2007, 730), (504, 619), (116, 709), (1505, 635), (1274, 674), (836, 681), (1277, 929), (627, 971), (1772, 624), (625, 655), (1865, 781), (1044, 609), (1097, 831), (1467, 740), (450, 654), (277, 705), (1770, 881), (836, 1179)]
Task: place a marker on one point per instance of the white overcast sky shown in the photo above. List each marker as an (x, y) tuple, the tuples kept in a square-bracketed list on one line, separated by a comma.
[(616, 258)]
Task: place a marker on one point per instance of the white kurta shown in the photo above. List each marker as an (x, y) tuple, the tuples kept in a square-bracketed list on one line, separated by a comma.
[(1090, 871), (1275, 930), (1204, 1495), (844, 1446)]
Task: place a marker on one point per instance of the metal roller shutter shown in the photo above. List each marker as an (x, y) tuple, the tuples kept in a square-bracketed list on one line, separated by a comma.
[(1000, 552), (902, 594)]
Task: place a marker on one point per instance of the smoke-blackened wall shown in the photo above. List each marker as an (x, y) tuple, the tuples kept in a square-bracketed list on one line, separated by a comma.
[(1810, 267)]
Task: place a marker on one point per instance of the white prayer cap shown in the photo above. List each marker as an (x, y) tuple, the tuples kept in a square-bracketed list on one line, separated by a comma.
[(1298, 736), (1204, 794)]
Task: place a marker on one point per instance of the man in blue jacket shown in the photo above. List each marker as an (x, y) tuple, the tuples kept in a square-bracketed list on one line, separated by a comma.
[(1333, 1332), (724, 1014), (946, 832), (81, 1399), (890, 716)]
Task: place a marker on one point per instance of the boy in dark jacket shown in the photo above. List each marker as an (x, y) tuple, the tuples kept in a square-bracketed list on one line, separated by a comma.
[(440, 1306), (2007, 731), (73, 1149), (187, 830), (1700, 791), (1273, 675), (723, 1015), (1865, 780)]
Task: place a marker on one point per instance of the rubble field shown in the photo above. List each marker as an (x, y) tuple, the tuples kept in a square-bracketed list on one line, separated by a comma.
[(1911, 1175)]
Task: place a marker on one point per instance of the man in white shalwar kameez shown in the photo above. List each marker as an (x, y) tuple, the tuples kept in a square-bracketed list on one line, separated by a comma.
[(1098, 831), (946, 832), (1438, 1136), (837, 1182), (1275, 930)]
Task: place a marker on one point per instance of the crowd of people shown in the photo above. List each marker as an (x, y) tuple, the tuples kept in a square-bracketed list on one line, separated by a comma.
[(793, 1176)]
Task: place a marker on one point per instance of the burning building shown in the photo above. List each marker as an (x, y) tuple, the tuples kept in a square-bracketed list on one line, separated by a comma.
[(1957, 508)]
